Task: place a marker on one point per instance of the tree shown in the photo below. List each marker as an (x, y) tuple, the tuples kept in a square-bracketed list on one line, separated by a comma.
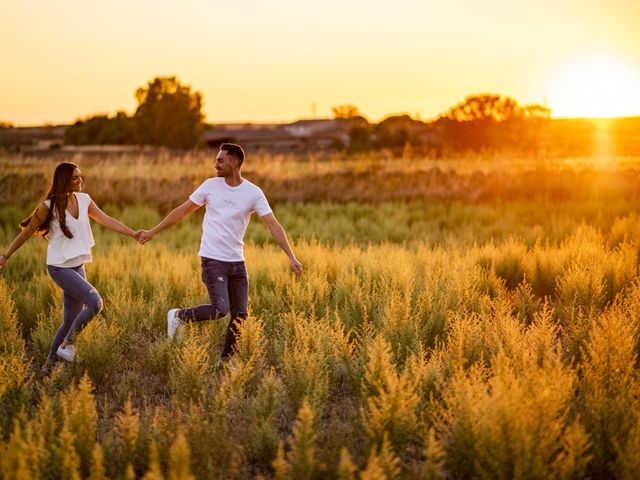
[(398, 131), (488, 107), (483, 108), (168, 114), (346, 112), (102, 130), (490, 121)]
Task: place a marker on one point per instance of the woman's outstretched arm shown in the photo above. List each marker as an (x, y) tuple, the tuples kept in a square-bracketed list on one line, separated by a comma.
[(109, 222), (37, 219)]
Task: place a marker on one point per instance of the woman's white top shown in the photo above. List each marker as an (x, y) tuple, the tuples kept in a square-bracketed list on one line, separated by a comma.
[(71, 252)]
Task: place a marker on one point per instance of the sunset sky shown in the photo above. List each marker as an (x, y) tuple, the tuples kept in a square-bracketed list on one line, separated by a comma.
[(273, 60)]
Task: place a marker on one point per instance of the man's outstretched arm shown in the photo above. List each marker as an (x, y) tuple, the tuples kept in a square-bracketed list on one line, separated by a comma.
[(279, 235), (177, 214)]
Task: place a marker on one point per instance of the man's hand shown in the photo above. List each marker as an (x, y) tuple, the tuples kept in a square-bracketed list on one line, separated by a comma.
[(144, 236), (3, 262), (296, 266)]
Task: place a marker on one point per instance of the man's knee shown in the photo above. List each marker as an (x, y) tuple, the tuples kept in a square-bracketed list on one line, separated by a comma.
[(217, 313)]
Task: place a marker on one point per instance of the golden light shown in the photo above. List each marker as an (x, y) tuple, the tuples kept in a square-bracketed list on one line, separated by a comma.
[(595, 87)]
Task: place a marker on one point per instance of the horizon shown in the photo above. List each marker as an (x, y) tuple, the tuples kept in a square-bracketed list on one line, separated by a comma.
[(250, 122), (283, 61)]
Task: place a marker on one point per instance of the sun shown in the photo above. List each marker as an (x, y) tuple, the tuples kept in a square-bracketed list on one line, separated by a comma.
[(595, 87)]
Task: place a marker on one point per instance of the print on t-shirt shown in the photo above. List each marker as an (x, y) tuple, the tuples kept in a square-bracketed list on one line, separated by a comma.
[(228, 210)]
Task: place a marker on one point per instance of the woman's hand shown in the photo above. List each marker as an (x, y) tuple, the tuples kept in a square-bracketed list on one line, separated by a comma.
[(37, 219)]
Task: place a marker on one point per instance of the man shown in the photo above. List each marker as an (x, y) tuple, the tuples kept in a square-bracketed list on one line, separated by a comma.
[(230, 200)]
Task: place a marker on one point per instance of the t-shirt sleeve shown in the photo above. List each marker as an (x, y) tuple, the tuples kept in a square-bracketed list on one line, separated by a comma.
[(261, 206), (199, 197)]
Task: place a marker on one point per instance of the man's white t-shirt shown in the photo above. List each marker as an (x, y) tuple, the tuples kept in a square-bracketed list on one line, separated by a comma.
[(227, 216)]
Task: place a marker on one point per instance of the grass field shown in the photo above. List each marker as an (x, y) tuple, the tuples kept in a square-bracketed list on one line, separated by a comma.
[(483, 325)]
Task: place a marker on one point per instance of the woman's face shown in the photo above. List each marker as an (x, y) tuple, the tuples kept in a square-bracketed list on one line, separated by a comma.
[(76, 181)]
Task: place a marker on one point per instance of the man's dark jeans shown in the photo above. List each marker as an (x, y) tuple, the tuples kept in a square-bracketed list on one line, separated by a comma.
[(228, 287)]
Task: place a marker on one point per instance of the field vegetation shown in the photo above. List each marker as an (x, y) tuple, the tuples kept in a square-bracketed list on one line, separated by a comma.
[(471, 318)]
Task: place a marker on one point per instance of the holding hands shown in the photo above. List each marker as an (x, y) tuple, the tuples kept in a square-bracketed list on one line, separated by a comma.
[(143, 236)]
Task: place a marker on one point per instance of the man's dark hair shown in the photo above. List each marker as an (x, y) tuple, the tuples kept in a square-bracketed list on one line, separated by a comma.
[(235, 150)]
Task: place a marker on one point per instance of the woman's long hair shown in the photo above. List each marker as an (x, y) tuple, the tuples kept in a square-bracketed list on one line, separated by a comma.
[(60, 187)]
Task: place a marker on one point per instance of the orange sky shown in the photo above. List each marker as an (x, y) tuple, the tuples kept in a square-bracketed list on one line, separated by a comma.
[(271, 61)]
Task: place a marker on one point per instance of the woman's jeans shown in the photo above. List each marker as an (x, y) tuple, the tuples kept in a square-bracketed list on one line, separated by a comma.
[(81, 303), (228, 287)]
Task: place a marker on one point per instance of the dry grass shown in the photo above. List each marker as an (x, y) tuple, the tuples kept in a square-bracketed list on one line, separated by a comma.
[(496, 340)]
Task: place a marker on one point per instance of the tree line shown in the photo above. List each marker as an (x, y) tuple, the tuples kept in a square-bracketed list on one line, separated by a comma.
[(480, 122), (170, 114)]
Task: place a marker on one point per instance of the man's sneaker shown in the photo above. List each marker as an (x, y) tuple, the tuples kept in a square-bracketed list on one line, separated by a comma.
[(67, 353), (173, 322)]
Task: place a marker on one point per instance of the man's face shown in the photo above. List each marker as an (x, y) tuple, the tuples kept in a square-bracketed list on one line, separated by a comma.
[(225, 163)]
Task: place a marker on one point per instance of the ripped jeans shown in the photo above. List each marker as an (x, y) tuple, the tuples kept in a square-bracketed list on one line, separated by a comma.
[(80, 299), (228, 287)]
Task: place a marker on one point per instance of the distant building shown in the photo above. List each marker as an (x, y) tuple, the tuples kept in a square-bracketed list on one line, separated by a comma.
[(302, 135), (299, 136), (32, 138)]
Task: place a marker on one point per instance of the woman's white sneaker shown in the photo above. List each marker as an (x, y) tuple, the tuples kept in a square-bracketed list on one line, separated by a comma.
[(67, 353), (173, 322)]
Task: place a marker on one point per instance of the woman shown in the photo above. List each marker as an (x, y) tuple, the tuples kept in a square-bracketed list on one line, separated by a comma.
[(63, 219)]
